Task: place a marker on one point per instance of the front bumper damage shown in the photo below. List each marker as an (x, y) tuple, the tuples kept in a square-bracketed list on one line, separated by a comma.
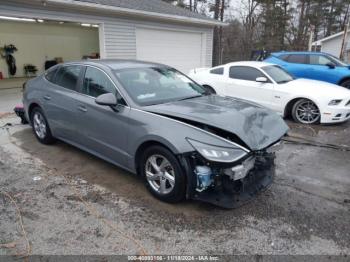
[(228, 190)]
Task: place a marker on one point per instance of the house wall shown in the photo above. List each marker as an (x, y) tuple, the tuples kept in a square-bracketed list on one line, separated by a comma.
[(38, 42), (117, 35), (120, 38), (333, 47)]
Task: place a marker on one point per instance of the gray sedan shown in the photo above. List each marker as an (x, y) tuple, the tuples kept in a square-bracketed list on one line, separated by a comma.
[(156, 122)]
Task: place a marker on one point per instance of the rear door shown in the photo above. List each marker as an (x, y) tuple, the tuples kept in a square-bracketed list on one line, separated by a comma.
[(297, 65), (102, 129), (242, 84), (216, 79), (60, 101)]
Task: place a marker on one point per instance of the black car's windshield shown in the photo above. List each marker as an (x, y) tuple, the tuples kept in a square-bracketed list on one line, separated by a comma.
[(157, 85), (278, 74)]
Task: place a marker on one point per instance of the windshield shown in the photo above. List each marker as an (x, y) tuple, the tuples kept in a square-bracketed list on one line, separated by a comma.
[(336, 61), (278, 74), (157, 85)]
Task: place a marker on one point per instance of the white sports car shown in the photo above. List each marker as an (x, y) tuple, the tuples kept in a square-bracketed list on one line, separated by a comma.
[(307, 101)]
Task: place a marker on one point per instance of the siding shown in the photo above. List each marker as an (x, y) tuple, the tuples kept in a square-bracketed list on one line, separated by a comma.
[(117, 36), (119, 40), (332, 46), (209, 49)]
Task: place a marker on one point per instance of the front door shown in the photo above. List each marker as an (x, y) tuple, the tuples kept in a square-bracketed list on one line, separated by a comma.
[(242, 84), (320, 69), (103, 130)]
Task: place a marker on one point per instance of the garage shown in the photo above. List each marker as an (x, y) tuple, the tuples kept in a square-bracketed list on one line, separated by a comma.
[(58, 31), (42, 43), (182, 50)]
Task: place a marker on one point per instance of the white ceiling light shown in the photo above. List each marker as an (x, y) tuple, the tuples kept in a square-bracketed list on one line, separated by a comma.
[(88, 25), (40, 21), (61, 23), (17, 19), (94, 25)]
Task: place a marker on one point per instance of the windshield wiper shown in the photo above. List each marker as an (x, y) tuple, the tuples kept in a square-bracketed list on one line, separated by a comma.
[(189, 97)]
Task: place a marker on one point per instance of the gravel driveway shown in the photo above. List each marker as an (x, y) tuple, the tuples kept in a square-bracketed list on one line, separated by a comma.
[(74, 203)]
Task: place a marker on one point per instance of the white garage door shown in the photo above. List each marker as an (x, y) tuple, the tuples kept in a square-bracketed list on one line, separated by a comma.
[(182, 50)]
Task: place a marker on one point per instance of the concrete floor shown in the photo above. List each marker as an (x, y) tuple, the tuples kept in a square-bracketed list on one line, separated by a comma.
[(75, 203), (15, 82), (9, 98)]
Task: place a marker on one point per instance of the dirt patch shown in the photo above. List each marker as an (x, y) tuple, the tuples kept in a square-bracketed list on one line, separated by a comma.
[(303, 212)]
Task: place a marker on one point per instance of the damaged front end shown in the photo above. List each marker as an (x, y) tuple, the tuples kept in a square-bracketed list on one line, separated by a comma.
[(230, 185)]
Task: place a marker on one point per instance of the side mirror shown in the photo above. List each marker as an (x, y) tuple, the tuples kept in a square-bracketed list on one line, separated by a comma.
[(261, 80), (107, 99), (330, 65)]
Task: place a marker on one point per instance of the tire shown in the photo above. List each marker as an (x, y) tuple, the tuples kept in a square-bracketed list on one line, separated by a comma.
[(346, 83), (41, 127), (305, 111), (171, 193), (209, 89)]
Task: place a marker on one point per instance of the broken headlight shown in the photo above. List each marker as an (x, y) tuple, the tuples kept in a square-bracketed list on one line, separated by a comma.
[(217, 153)]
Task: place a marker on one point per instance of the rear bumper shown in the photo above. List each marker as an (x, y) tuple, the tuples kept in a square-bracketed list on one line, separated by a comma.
[(231, 194), (335, 115)]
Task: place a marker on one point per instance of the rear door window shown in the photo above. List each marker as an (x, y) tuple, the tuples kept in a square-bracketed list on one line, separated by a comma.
[(283, 57), (217, 71), (297, 59), (68, 76), (245, 73)]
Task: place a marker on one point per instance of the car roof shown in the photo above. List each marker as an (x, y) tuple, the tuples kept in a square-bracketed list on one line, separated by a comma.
[(116, 64), (298, 53), (250, 63)]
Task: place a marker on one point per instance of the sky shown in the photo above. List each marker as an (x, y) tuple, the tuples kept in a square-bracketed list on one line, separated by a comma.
[(233, 11)]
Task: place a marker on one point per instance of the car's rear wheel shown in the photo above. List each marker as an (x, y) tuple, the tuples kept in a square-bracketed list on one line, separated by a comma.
[(41, 127), (306, 112), (209, 89), (163, 175), (346, 83)]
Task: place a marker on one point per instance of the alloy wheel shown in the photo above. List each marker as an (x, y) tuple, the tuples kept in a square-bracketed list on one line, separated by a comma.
[(307, 112), (160, 174), (39, 125)]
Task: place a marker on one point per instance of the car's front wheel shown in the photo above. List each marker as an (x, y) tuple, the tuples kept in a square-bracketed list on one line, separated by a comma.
[(306, 112), (163, 175), (41, 126)]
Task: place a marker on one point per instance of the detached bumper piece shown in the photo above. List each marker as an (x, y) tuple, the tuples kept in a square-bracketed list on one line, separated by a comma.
[(19, 110), (228, 193)]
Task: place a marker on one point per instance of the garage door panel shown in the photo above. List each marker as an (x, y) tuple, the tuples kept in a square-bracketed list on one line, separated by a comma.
[(182, 50)]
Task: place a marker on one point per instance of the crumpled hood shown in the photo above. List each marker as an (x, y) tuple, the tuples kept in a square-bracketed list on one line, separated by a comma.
[(257, 127)]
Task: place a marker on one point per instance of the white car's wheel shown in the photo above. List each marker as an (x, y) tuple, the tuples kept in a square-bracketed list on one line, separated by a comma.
[(306, 112)]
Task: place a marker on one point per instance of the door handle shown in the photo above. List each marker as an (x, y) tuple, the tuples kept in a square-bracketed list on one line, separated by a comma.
[(47, 97), (82, 108)]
